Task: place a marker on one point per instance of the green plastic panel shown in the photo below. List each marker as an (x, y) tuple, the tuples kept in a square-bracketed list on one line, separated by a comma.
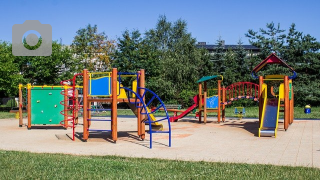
[(290, 91), (45, 106), (207, 78)]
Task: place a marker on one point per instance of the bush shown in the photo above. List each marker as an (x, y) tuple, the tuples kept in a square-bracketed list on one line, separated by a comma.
[(186, 98), (11, 103)]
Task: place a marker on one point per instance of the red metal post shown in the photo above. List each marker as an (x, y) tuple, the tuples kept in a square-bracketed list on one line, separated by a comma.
[(29, 105), (65, 106), (223, 106), (76, 108), (20, 106), (286, 103), (200, 101), (219, 100)]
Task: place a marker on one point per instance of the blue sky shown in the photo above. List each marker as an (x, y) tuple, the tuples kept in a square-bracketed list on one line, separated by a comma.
[(207, 19)]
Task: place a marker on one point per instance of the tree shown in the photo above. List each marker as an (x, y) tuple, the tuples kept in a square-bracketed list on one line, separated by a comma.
[(48, 70), (134, 53), (178, 60), (94, 49), (231, 73), (270, 40), (242, 67), (218, 57), (9, 71), (300, 51)]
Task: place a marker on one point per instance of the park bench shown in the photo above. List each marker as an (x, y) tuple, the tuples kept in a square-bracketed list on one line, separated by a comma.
[(16, 110), (175, 108)]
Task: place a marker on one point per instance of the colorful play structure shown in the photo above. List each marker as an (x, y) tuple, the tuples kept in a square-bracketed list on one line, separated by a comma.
[(46, 104), (239, 112), (270, 103), (43, 105), (59, 105), (215, 99)]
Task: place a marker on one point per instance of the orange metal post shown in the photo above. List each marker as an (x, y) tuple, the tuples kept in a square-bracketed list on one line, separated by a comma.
[(219, 100), (223, 106), (29, 105), (85, 105), (138, 109), (114, 110), (65, 107), (142, 123), (20, 106), (260, 98), (200, 101), (286, 103), (205, 102)]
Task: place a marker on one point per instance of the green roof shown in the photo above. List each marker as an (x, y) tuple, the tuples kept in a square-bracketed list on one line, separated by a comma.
[(207, 78)]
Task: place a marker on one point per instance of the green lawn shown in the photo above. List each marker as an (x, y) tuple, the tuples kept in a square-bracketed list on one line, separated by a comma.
[(251, 112), (24, 165)]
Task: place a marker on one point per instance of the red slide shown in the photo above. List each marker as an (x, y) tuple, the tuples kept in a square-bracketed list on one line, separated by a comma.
[(186, 112)]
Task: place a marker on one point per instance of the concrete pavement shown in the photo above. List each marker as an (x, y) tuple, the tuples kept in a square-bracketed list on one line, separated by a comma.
[(232, 141)]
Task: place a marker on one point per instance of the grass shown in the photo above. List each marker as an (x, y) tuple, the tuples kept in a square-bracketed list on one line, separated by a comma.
[(24, 165), (251, 112)]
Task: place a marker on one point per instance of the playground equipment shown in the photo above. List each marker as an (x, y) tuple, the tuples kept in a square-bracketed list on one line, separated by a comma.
[(184, 112), (96, 87), (215, 100), (108, 88), (43, 105), (201, 99), (270, 103), (240, 112)]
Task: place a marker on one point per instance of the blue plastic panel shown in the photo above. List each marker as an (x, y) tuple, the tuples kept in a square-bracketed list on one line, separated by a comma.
[(212, 102), (100, 86)]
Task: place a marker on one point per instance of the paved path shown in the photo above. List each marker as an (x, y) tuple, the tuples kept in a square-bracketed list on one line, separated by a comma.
[(232, 141)]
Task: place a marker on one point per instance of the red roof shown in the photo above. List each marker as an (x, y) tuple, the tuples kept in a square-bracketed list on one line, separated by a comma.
[(271, 59)]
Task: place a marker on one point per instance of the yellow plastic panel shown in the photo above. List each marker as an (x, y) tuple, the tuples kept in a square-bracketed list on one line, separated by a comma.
[(122, 92), (281, 91), (134, 87)]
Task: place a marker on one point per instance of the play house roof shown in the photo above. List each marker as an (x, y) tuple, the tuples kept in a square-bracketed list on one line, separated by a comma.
[(207, 78), (271, 59)]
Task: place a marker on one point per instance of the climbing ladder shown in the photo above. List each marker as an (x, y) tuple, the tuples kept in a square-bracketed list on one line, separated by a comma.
[(137, 97), (98, 118), (70, 103), (144, 110)]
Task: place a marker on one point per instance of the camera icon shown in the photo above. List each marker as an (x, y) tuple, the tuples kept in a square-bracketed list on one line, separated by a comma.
[(32, 40)]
